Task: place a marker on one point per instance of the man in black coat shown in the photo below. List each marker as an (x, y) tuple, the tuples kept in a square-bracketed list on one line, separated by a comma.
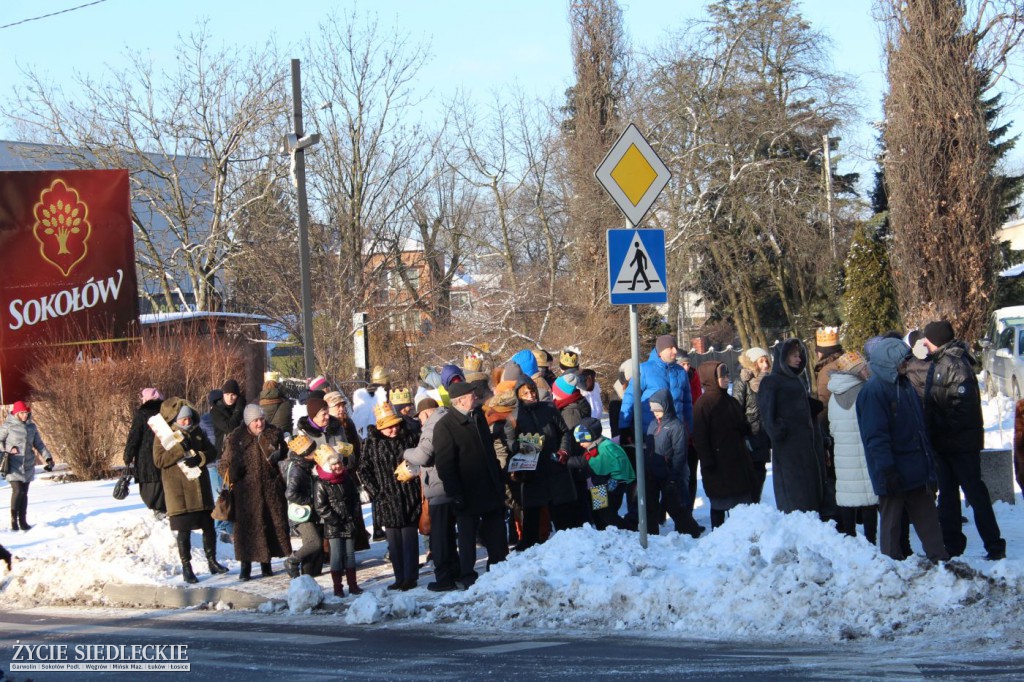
[(469, 470), (952, 406)]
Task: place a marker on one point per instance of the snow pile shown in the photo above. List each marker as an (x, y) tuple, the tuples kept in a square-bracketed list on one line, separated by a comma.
[(304, 595), (366, 609), (762, 575)]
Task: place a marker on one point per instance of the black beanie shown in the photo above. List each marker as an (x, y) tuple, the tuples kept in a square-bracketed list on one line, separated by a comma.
[(231, 386), (939, 333)]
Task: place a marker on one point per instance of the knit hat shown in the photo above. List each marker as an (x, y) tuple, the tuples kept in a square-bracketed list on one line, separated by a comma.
[(939, 333), (459, 389), (511, 372), (185, 412), (426, 404), (451, 373), (333, 398), (318, 383), (19, 407), (754, 354), (251, 413), (314, 405), (151, 394), (665, 341), (570, 358), (564, 386), (385, 415), (588, 430), (231, 386), (400, 396)]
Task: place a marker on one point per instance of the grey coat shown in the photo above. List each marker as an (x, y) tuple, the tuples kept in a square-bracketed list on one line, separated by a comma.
[(422, 456), (15, 433)]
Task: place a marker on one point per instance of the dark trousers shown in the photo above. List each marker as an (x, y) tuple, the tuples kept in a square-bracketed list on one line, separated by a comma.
[(311, 554), (19, 499), (443, 549), (919, 505), (404, 549), (760, 474), (491, 527), (609, 516), (849, 517), (963, 470), (663, 495)]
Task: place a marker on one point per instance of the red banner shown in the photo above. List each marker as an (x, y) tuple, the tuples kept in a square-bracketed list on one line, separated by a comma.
[(67, 267)]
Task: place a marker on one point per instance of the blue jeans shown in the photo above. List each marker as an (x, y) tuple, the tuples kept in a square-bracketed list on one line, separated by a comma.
[(216, 483)]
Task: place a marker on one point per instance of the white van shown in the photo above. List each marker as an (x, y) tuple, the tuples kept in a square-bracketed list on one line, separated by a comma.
[(1002, 352)]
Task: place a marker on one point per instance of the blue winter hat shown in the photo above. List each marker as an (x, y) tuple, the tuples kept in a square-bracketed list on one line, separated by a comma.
[(449, 374)]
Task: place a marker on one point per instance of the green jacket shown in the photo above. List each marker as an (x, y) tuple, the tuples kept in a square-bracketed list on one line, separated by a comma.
[(611, 461)]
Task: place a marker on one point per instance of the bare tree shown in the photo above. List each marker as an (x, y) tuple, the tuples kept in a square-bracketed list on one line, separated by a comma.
[(944, 57), (197, 142)]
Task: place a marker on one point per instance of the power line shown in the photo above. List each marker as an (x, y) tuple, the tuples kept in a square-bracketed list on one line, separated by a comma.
[(52, 14)]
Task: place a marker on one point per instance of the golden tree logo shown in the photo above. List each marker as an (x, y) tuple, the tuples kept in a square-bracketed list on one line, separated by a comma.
[(62, 226)]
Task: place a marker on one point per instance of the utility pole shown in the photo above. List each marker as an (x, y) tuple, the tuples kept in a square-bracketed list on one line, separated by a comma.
[(295, 144)]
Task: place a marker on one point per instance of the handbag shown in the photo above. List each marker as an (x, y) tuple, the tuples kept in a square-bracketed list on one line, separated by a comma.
[(424, 524), (5, 464), (121, 487), (299, 513), (224, 507)]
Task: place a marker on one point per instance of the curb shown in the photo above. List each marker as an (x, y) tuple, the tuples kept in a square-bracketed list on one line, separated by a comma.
[(160, 596)]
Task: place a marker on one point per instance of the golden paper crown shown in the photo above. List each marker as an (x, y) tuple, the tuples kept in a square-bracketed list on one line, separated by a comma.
[(570, 358), (827, 336), (849, 361), (300, 444), (379, 375), (324, 455), (401, 396), (386, 416), (473, 363)]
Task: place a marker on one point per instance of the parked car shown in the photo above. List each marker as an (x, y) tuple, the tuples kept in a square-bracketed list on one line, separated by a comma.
[(1002, 354)]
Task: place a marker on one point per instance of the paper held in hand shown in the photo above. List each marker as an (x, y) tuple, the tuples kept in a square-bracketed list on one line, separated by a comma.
[(169, 438), (524, 461)]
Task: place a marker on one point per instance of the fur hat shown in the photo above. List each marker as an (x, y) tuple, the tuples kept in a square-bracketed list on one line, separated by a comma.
[(400, 396), (385, 415), (251, 413), (231, 386), (314, 405)]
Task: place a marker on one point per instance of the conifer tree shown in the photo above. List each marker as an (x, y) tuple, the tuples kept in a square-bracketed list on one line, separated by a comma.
[(869, 302)]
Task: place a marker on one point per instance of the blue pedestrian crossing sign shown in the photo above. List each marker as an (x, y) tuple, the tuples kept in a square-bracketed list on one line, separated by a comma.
[(636, 267)]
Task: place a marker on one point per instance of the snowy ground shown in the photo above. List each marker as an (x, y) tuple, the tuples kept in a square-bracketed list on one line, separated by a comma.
[(762, 576)]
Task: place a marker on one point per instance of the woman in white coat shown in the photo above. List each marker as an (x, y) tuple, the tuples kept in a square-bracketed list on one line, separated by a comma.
[(20, 438), (854, 495)]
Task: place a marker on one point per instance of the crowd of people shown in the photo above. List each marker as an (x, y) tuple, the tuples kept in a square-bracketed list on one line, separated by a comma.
[(507, 457)]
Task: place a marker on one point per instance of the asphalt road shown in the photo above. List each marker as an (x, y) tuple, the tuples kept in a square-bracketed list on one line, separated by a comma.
[(245, 646)]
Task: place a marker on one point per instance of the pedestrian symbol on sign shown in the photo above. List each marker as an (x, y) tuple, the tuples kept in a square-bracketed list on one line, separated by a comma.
[(641, 267)]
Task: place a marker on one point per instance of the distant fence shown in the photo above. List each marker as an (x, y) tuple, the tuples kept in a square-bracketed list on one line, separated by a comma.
[(730, 357)]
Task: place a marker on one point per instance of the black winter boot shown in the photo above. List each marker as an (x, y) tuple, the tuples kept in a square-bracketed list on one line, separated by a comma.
[(245, 571), (266, 570), (14, 521), (184, 538), (210, 549), (23, 522)]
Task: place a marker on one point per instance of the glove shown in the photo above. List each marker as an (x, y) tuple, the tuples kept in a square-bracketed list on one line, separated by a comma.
[(459, 504), (893, 481), (49, 465), (562, 456), (193, 461)]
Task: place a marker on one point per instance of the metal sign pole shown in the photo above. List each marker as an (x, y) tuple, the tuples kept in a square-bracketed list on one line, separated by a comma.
[(638, 426)]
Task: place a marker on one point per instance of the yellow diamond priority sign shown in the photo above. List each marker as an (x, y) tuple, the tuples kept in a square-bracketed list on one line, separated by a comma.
[(633, 174)]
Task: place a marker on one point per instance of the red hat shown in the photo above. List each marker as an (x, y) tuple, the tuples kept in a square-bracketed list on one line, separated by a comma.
[(19, 407)]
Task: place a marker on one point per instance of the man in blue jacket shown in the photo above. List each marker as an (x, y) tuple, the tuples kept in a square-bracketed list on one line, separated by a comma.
[(899, 455), (660, 371)]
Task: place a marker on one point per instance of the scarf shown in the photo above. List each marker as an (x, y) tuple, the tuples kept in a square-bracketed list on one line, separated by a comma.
[(568, 400), (329, 476)]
